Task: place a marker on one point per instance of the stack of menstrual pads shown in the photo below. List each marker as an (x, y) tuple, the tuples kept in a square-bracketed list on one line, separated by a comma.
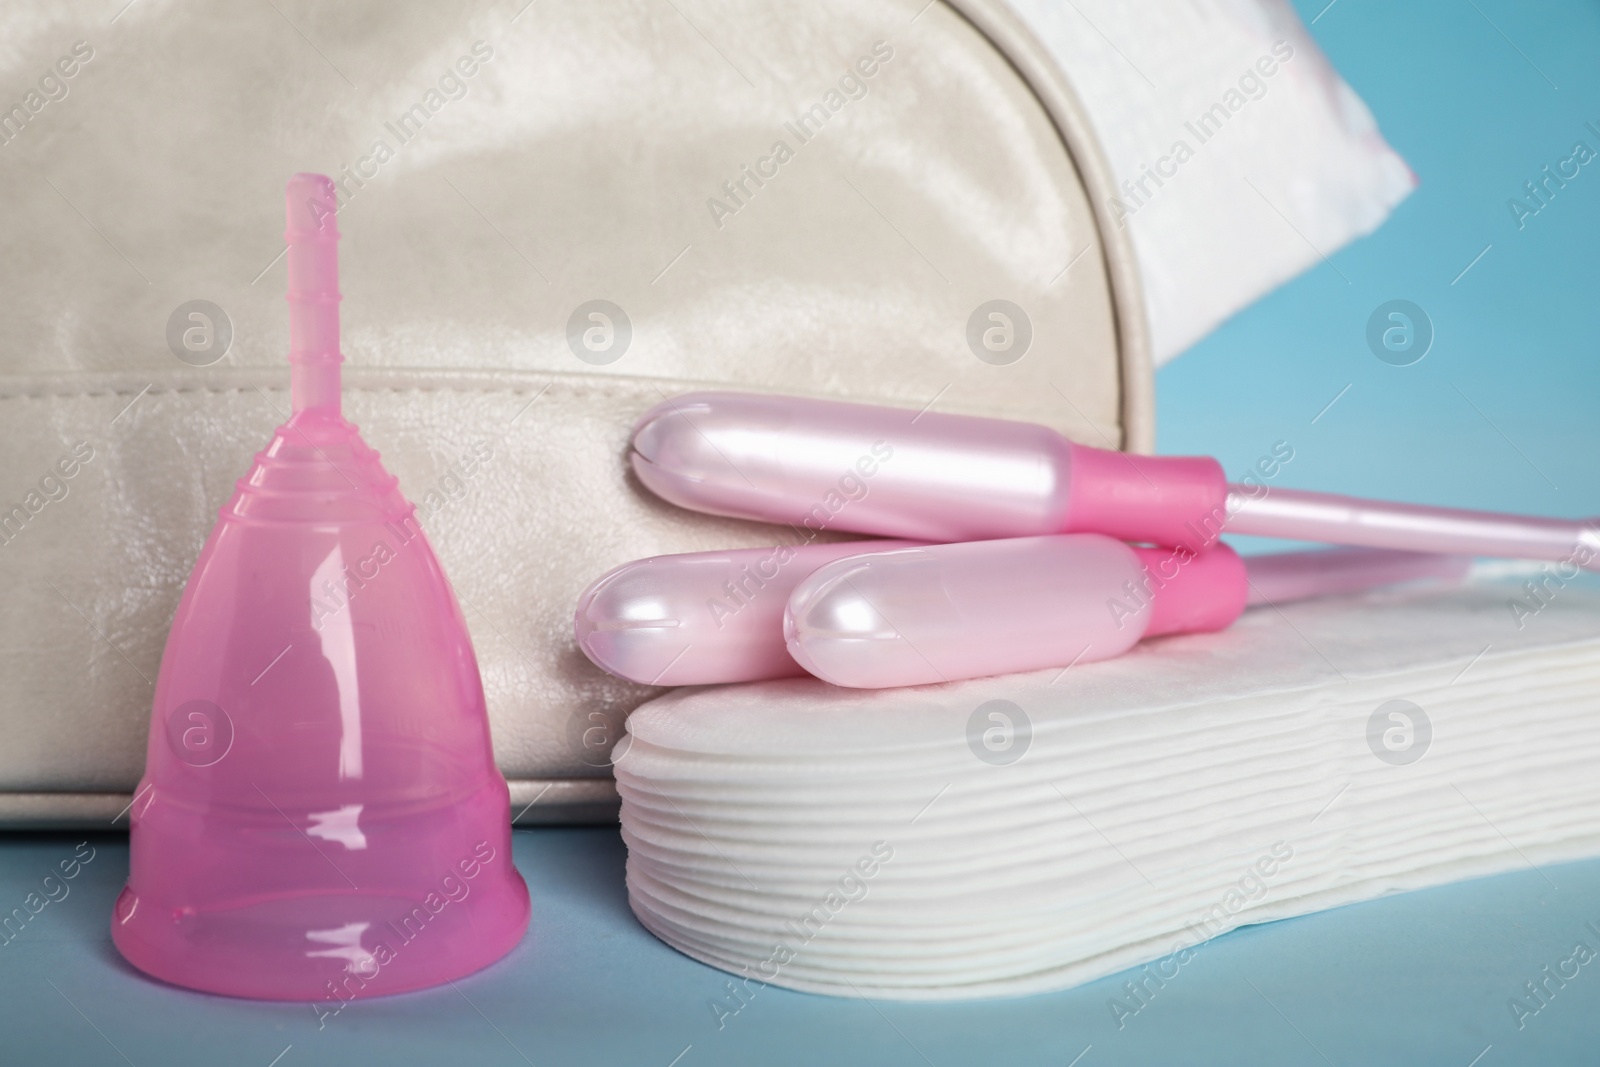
[(1029, 832)]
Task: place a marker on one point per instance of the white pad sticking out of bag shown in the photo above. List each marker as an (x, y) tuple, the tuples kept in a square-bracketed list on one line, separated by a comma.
[(1243, 158)]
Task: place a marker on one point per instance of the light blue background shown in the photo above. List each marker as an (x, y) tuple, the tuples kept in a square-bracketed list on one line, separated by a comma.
[(1516, 336), (1415, 979)]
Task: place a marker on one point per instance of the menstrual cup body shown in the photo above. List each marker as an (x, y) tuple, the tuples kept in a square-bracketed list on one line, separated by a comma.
[(320, 817)]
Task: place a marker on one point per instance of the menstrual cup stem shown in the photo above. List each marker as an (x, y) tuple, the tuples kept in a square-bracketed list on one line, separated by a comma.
[(313, 238)]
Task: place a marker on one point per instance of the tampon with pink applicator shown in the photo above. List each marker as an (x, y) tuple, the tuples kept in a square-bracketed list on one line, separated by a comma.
[(1027, 568), (936, 477), (871, 614), (938, 613)]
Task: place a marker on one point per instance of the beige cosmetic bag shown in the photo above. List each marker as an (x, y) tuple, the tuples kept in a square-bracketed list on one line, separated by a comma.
[(555, 215)]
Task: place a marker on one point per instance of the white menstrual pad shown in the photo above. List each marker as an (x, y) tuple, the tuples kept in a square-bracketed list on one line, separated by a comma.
[(1236, 179), (870, 843)]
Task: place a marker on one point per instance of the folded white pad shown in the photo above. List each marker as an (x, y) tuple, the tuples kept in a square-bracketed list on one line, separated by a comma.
[(1026, 833), (1242, 158)]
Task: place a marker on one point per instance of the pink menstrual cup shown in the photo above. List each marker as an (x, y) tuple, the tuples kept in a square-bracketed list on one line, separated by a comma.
[(320, 817)]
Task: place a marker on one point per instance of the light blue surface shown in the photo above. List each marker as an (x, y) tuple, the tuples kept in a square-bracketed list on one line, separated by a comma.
[(1501, 413), (1416, 979)]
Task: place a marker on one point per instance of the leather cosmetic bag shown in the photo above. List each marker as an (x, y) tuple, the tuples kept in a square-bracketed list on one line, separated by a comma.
[(555, 215)]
